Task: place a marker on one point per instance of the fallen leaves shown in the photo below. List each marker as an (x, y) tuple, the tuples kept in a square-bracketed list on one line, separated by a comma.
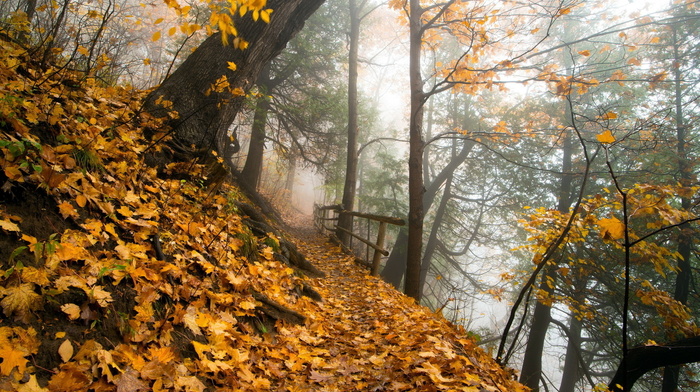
[(171, 270)]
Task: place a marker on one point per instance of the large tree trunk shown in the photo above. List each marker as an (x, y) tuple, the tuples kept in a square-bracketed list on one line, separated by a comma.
[(204, 118), (256, 148), (345, 220)]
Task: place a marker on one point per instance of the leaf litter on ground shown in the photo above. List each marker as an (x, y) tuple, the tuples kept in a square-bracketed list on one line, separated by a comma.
[(115, 276)]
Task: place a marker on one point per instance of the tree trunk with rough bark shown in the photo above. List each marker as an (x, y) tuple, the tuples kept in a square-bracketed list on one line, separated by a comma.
[(204, 117), (256, 148)]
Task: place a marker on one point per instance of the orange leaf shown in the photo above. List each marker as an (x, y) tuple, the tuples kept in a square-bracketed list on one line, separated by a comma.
[(612, 228), (609, 116), (606, 137), (67, 210), (81, 200), (12, 358)]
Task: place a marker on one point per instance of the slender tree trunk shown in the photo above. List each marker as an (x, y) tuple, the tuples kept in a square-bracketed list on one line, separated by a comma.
[(432, 238), (415, 157), (345, 220), (572, 371), (203, 115), (291, 174), (531, 371), (395, 267), (683, 277), (256, 148), (53, 34)]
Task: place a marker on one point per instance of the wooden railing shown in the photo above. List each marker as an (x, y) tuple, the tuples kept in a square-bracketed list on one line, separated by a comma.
[(326, 221)]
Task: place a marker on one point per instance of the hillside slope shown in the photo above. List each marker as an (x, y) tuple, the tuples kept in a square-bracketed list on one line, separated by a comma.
[(117, 276)]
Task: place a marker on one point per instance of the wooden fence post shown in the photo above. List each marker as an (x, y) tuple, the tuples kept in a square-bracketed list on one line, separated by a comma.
[(380, 243)]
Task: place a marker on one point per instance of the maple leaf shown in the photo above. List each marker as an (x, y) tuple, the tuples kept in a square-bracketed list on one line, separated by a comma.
[(20, 300), (12, 358), (67, 210), (190, 320)]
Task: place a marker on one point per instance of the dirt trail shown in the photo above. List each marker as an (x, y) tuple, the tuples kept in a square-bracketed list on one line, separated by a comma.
[(372, 338)]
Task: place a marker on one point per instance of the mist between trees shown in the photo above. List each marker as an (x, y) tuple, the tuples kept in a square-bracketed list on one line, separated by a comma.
[(543, 153)]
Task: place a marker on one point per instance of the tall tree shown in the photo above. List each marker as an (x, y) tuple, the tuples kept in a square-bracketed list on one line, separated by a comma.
[(358, 13), (204, 91), (349, 188)]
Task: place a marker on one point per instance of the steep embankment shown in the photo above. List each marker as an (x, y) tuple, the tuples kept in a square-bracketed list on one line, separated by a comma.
[(117, 276)]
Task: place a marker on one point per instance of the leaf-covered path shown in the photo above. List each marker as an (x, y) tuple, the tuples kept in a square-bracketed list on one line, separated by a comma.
[(367, 336)]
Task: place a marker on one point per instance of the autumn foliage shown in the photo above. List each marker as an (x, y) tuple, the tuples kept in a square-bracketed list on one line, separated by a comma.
[(117, 276)]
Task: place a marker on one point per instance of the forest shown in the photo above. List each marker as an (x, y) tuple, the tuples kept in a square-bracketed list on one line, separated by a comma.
[(163, 161)]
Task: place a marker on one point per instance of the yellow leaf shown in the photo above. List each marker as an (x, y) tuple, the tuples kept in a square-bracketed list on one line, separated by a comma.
[(232, 66), (609, 116), (146, 61), (8, 226), (66, 350), (13, 173), (20, 301), (612, 228), (172, 31), (67, 210), (156, 36), (81, 200), (158, 21), (247, 305), (265, 15), (72, 310), (125, 211), (99, 295), (606, 137), (584, 52), (12, 358), (31, 386), (190, 320)]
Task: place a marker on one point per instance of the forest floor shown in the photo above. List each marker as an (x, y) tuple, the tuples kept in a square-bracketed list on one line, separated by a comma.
[(381, 340)]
